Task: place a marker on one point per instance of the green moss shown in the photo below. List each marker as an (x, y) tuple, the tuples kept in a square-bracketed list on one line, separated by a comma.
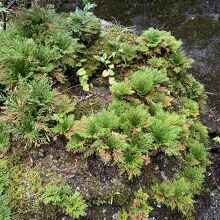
[(25, 190), (88, 106), (119, 196), (5, 211)]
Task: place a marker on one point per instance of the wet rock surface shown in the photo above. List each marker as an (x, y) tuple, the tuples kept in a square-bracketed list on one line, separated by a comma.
[(212, 212)]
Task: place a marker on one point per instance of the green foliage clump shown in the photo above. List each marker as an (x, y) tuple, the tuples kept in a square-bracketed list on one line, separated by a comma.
[(64, 123), (161, 43), (30, 108), (39, 43), (114, 137), (197, 153), (199, 132), (143, 81), (24, 57), (152, 38), (187, 86), (16, 60), (195, 175), (128, 130), (55, 194), (121, 89), (26, 187), (190, 108), (176, 194), (217, 139), (179, 61), (158, 62), (122, 215), (5, 210), (180, 193), (140, 209), (35, 21), (4, 137), (84, 25), (61, 196), (167, 129)]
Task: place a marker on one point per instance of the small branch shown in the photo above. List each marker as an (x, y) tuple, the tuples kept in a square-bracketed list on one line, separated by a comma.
[(11, 4), (4, 18), (214, 179)]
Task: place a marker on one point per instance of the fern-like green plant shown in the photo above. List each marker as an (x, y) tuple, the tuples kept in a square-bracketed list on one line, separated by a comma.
[(150, 38), (197, 153), (199, 132), (144, 80), (132, 161), (140, 208), (179, 61), (39, 43), (101, 124), (158, 62), (75, 206), (115, 135), (24, 57), (166, 129), (127, 52), (190, 108), (30, 108), (62, 196), (195, 176), (132, 118), (64, 123), (217, 139), (63, 45), (176, 195), (33, 22), (122, 215), (55, 194), (17, 60), (4, 137), (153, 38), (5, 210), (121, 89), (144, 141)]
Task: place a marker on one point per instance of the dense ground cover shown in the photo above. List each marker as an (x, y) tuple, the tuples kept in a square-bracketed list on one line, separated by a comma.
[(106, 95)]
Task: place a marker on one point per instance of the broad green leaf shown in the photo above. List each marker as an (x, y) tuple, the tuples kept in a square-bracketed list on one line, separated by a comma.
[(111, 80), (81, 72), (111, 66), (105, 73), (111, 72), (86, 88)]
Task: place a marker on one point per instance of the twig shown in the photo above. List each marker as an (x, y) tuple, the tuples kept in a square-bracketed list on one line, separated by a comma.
[(214, 179), (11, 4)]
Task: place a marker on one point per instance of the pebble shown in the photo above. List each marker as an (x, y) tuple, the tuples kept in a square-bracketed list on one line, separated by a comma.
[(159, 205), (115, 216)]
